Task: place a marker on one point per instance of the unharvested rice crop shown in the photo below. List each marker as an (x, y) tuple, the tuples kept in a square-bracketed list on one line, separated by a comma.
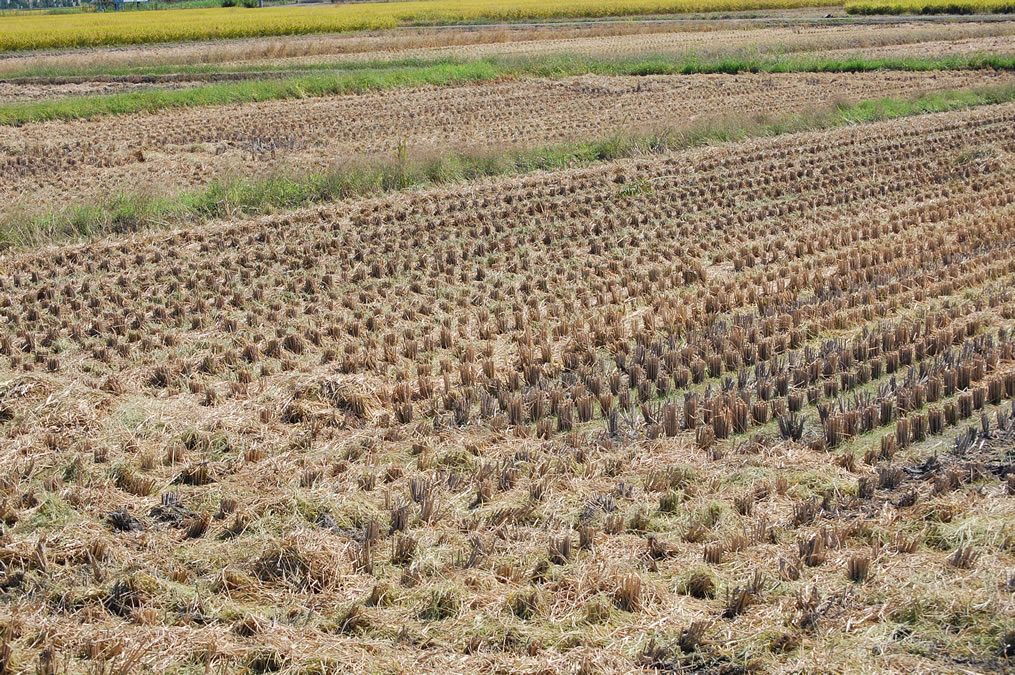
[(930, 7), (743, 408), (30, 31)]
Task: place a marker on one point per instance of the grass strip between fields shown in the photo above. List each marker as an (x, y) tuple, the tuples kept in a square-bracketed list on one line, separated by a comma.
[(723, 61), (127, 212), (453, 73)]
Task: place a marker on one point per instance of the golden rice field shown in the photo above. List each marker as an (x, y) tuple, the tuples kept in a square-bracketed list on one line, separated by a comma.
[(34, 31), (90, 30), (931, 7)]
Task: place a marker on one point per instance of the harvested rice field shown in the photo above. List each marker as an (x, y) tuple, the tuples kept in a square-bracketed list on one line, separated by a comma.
[(55, 162), (732, 393), (866, 41), (702, 38)]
